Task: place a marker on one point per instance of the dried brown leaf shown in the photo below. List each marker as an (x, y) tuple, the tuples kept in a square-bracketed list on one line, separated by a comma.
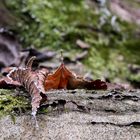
[(32, 81), (7, 83), (63, 78)]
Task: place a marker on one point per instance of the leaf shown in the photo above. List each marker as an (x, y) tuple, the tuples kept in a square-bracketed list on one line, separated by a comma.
[(9, 49), (82, 44), (7, 83), (33, 81), (81, 56), (63, 78), (41, 56), (59, 79), (39, 81)]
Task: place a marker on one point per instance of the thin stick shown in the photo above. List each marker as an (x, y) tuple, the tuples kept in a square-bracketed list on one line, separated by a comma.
[(61, 56)]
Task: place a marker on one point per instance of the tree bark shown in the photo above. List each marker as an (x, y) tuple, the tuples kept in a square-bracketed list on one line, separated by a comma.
[(80, 115)]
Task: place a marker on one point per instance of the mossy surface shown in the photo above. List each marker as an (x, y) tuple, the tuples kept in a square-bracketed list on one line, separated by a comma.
[(11, 104), (58, 24)]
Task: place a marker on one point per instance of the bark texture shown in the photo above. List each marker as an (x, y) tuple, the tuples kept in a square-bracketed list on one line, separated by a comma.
[(80, 115)]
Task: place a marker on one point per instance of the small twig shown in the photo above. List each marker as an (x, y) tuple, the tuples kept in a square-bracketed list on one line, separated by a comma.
[(61, 56)]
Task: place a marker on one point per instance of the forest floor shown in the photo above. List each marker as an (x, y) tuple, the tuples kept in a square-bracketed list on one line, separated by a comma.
[(80, 115), (75, 114)]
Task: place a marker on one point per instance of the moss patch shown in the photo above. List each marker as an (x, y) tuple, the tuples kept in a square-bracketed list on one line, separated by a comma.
[(10, 103), (58, 24)]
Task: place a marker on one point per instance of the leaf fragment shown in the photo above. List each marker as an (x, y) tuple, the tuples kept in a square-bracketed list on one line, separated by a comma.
[(32, 81), (63, 78), (7, 83)]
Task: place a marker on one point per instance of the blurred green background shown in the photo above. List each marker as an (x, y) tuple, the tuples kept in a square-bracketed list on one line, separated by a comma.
[(114, 40)]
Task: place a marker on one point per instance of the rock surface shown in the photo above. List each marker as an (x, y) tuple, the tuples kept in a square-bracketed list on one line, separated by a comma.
[(80, 115)]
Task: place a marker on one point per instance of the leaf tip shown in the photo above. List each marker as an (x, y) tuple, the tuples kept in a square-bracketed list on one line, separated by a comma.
[(30, 62)]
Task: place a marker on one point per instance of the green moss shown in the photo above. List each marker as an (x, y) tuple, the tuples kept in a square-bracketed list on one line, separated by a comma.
[(107, 62), (51, 24), (131, 50), (10, 103), (57, 25)]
